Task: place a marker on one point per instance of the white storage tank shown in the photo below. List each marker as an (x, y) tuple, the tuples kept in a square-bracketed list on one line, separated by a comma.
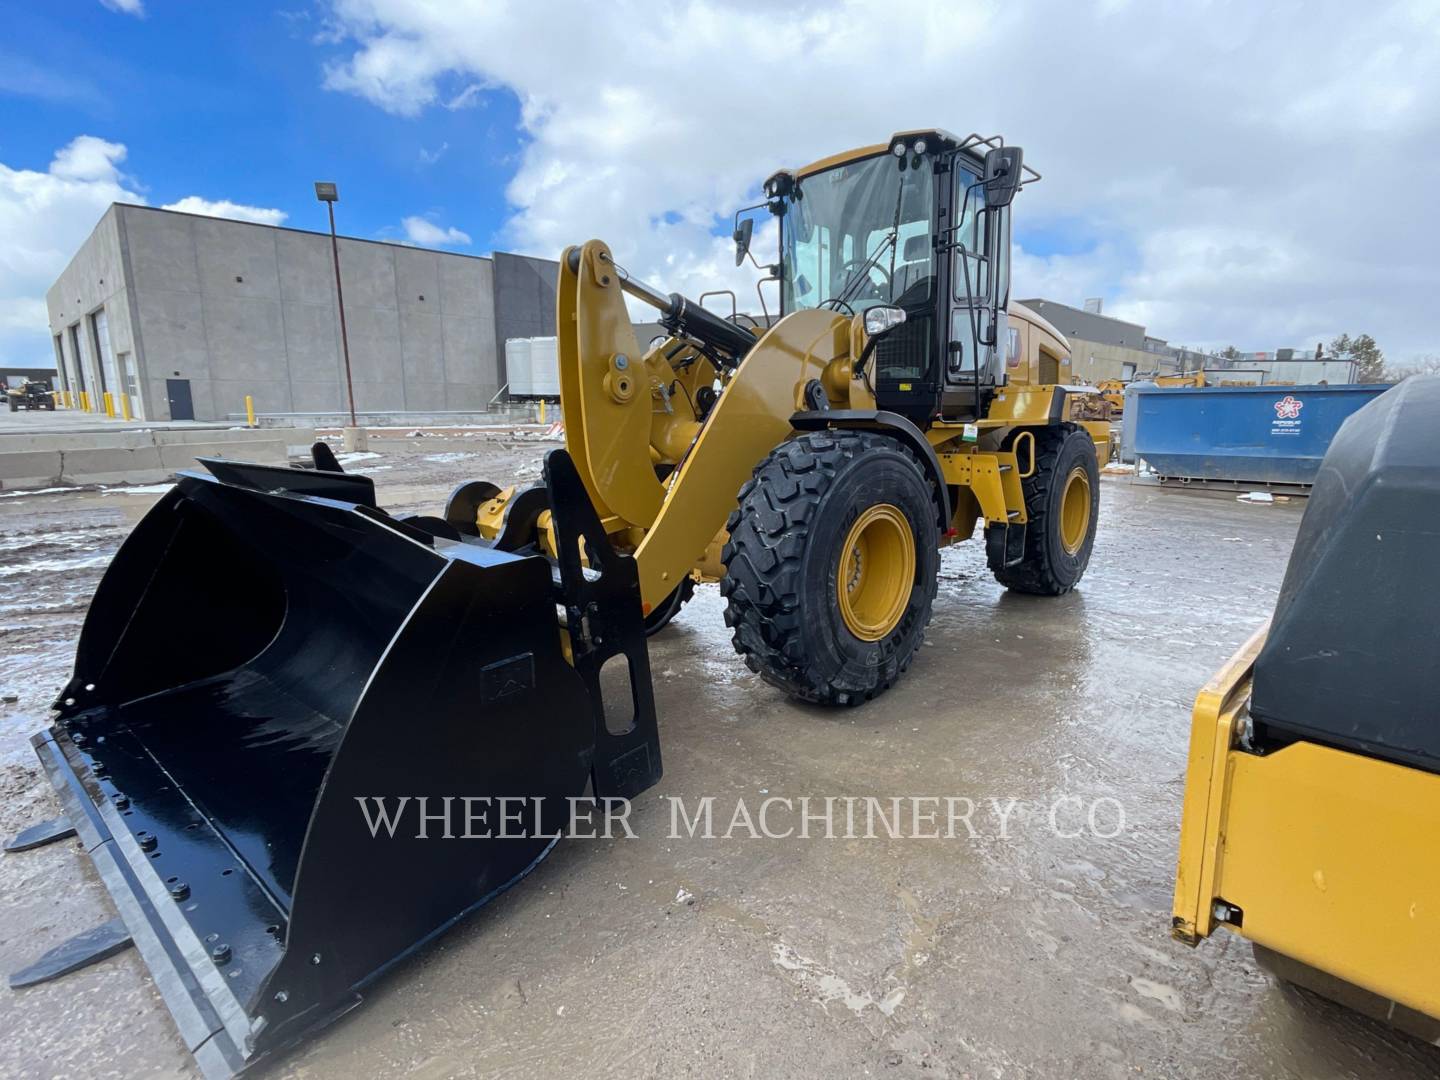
[(544, 368), (517, 367)]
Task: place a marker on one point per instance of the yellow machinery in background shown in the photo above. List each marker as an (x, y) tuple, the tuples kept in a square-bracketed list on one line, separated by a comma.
[(1312, 796), (1112, 391), (30, 394)]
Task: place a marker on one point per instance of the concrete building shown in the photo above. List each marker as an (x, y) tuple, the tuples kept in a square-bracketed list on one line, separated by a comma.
[(186, 315), (17, 376), (1102, 347)]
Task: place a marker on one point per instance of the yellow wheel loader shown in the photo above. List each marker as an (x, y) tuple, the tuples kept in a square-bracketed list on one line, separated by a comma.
[(1312, 796), (303, 735), (815, 467)]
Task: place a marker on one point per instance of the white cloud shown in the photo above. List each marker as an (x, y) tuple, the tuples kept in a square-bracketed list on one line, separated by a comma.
[(467, 98), (430, 157), (1241, 177), (44, 218), (126, 7), (426, 233), (224, 208)]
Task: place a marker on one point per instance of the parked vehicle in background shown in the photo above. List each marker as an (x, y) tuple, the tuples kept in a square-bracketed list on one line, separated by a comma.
[(31, 394)]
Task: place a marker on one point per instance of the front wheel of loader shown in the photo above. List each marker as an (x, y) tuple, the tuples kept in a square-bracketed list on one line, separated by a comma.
[(660, 617), (1062, 502), (830, 570)]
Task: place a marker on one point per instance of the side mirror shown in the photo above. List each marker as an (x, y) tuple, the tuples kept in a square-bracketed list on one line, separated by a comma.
[(742, 239), (881, 320), (1004, 168)]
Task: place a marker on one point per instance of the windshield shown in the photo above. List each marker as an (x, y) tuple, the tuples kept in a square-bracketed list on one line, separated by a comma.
[(835, 220)]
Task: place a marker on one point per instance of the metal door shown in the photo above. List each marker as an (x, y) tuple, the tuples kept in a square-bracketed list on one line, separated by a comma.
[(177, 392)]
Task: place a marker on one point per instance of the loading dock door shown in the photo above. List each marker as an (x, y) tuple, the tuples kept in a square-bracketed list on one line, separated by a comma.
[(177, 391)]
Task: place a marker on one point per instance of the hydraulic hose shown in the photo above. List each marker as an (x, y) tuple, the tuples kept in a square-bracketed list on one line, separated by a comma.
[(685, 318)]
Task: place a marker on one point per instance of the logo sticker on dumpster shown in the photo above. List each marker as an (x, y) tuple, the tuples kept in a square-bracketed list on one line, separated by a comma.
[(1287, 416)]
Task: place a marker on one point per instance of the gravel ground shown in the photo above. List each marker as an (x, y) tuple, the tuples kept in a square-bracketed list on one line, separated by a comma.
[(1016, 953)]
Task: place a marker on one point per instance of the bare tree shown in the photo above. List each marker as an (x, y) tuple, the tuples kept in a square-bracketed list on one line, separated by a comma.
[(1421, 365)]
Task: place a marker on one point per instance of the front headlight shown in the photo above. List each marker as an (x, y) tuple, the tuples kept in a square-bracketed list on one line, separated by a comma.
[(881, 320)]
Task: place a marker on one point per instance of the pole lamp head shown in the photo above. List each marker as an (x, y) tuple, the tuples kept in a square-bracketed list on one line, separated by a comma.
[(326, 192)]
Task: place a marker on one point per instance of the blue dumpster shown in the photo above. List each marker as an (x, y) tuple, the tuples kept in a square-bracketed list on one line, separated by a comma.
[(1243, 434)]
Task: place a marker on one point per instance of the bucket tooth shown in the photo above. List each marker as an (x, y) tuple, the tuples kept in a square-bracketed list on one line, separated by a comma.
[(40, 834), (82, 950), (295, 721)]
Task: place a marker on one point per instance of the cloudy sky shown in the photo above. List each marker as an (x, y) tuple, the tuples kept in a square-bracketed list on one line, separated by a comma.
[(1256, 174)]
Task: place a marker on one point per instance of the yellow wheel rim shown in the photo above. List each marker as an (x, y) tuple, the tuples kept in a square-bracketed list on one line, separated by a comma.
[(1075, 510), (876, 573)]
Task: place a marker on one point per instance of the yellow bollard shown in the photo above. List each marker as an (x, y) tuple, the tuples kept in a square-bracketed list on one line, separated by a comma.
[(249, 411), (125, 406), (85, 400), (110, 404), (542, 410)]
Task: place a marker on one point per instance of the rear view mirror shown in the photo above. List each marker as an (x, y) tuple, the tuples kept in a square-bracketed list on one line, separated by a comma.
[(742, 239), (1004, 167)]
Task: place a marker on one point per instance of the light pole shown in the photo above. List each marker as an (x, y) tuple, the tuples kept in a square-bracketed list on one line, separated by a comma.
[(329, 194)]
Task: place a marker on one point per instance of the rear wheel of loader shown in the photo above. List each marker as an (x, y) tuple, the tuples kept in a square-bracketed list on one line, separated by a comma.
[(830, 571), (1062, 501)]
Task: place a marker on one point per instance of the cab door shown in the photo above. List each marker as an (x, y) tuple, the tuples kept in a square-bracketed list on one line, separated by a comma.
[(978, 294)]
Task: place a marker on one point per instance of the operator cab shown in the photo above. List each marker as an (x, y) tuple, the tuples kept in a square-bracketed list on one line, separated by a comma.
[(921, 224)]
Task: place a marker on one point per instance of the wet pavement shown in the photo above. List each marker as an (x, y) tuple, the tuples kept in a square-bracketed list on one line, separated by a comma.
[(1031, 948)]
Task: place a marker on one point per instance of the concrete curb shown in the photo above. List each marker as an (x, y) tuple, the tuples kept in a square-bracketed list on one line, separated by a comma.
[(135, 457)]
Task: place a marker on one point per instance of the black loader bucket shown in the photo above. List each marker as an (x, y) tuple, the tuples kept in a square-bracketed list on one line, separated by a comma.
[(288, 712)]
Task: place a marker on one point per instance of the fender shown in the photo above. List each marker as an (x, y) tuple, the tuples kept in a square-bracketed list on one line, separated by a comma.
[(894, 425)]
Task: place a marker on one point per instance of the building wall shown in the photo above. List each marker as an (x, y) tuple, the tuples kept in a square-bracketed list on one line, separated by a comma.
[(1096, 361), (1089, 326), (524, 301), (95, 281), (237, 308), (1102, 347)]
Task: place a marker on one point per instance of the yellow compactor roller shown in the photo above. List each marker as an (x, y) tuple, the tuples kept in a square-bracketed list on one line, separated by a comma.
[(271, 660), (1312, 797)]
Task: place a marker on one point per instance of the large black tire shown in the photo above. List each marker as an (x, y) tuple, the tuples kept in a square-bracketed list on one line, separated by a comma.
[(1050, 567), (782, 564), (660, 617)]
